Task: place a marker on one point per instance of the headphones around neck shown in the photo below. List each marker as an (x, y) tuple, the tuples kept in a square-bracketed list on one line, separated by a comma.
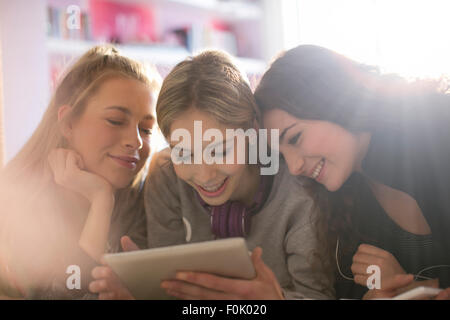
[(233, 218)]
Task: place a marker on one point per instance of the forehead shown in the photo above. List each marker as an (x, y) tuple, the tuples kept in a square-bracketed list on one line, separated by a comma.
[(130, 93), (197, 122), (187, 120), (277, 118)]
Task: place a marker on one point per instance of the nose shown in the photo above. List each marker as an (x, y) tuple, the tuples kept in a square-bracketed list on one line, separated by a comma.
[(205, 173), (133, 139), (295, 163)]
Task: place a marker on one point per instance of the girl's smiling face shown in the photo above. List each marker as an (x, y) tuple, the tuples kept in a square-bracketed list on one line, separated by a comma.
[(320, 150), (215, 183), (112, 135)]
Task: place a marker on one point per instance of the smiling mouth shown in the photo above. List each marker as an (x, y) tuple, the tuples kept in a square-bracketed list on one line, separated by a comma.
[(318, 169), (127, 162), (214, 190)]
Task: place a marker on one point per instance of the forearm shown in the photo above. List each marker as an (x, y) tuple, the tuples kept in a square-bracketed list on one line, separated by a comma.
[(94, 235)]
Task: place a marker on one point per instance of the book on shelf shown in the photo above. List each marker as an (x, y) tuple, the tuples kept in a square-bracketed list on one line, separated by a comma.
[(59, 24)]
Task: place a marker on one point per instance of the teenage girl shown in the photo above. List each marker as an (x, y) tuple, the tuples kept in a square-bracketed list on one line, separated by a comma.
[(376, 152), (75, 187)]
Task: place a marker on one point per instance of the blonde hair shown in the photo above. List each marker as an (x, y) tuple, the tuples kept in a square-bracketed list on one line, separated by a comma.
[(27, 178), (212, 83), (78, 85)]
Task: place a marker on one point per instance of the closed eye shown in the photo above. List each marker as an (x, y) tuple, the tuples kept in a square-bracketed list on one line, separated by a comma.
[(147, 131), (223, 153), (115, 123), (294, 139)]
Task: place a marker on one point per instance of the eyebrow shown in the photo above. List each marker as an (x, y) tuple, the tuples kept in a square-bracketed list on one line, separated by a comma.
[(213, 145), (128, 112), (123, 109), (284, 132)]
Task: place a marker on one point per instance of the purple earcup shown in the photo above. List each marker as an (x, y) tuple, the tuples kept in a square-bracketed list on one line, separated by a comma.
[(233, 218)]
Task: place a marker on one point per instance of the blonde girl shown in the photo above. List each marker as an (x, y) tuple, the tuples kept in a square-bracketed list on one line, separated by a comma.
[(75, 187)]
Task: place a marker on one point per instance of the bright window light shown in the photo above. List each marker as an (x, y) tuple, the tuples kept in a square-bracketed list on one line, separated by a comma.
[(409, 37)]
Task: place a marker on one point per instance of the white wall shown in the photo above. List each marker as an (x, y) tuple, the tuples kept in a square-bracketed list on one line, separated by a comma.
[(272, 28), (25, 69)]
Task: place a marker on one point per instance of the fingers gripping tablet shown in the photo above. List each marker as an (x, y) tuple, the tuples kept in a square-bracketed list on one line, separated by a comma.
[(142, 271)]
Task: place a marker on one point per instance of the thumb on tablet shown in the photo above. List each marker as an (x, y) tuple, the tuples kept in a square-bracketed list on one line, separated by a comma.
[(128, 244), (258, 263)]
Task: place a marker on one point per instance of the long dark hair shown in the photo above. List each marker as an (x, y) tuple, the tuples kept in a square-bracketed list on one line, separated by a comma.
[(311, 82)]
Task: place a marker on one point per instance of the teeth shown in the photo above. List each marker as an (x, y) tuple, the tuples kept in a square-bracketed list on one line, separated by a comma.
[(214, 188), (318, 169)]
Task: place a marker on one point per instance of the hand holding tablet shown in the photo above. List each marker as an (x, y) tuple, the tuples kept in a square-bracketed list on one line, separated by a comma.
[(142, 271)]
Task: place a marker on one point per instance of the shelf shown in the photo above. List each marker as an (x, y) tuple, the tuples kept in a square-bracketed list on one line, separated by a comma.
[(153, 53), (231, 11), (156, 54)]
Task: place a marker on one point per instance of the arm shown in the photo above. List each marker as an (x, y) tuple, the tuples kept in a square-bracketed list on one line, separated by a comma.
[(164, 225), (414, 157), (309, 265), (393, 279), (368, 255), (40, 248), (95, 232), (67, 167)]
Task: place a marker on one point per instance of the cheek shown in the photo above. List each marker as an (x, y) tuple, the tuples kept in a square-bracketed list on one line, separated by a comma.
[(328, 145), (313, 146), (231, 170), (92, 137), (343, 162), (184, 172)]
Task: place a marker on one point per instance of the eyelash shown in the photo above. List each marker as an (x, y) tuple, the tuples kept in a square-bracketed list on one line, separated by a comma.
[(115, 123), (147, 131), (180, 158), (119, 123), (224, 153), (295, 138)]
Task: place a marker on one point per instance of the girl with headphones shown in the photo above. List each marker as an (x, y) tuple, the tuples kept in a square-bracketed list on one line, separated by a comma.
[(200, 202)]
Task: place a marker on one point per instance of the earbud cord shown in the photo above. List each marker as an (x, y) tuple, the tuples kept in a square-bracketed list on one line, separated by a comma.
[(416, 276), (337, 263)]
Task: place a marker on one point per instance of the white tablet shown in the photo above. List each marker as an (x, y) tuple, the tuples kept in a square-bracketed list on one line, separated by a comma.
[(418, 294), (142, 271)]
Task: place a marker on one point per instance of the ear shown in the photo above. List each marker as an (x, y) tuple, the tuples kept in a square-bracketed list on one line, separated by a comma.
[(64, 124)]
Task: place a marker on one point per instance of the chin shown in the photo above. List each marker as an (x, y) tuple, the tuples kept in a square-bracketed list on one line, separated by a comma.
[(120, 183), (332, 187), (213, 201)]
